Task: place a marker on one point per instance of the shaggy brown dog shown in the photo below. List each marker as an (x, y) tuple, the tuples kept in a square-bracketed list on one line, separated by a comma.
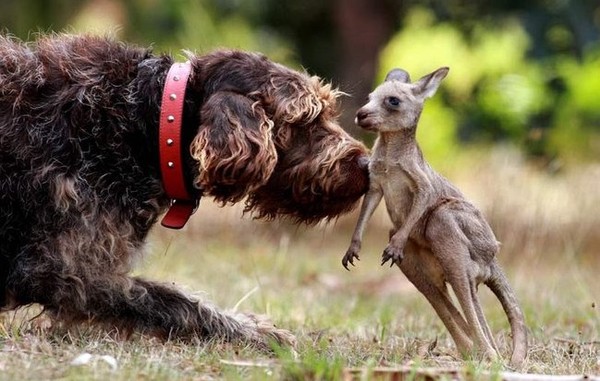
[(80, 182)]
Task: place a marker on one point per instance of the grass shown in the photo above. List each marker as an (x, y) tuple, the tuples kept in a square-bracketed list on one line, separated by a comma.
[(368, 318)]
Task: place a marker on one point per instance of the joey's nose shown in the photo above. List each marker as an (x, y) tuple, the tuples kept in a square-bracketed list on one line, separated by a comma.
[(360, 116)]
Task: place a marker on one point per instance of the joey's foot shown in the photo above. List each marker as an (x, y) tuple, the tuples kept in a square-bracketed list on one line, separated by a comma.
[(394, 254), (349, 258)]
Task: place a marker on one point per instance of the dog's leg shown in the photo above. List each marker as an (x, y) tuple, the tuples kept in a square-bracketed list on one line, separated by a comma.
[(160, 309), (90, 288)]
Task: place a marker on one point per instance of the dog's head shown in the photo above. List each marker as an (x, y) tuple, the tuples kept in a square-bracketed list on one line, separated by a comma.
[(270, 134)]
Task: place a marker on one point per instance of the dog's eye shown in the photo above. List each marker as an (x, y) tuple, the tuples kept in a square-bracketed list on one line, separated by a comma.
[(393, 101)]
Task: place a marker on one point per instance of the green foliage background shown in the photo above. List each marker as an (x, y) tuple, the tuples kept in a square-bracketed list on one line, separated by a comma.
[(522, 73), (549, 107)]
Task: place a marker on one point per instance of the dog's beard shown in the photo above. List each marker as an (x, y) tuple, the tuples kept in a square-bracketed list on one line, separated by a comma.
[(309, 196)]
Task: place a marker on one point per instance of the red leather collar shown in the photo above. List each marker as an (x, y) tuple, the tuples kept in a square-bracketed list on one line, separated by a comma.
[(183, 204)]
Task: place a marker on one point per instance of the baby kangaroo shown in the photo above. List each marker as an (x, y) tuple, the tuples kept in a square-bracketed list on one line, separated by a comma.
[(438, 237)]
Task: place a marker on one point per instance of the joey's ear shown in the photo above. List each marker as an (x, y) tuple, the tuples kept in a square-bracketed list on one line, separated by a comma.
[(398, 75), (428, 85)]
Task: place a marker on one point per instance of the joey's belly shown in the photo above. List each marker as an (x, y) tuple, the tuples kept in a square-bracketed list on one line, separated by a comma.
[(397, 203), (397, 189)]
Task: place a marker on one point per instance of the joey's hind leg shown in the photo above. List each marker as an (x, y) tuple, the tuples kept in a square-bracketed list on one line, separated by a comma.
[(424, 272), (482, 320), (451, 248)]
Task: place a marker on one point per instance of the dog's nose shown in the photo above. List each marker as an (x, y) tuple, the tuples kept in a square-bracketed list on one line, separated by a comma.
[(360, 116), (363, 162)]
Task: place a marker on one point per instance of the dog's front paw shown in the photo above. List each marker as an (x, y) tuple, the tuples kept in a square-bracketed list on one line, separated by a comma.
[(261, 332), (395, 254), (351, 254)]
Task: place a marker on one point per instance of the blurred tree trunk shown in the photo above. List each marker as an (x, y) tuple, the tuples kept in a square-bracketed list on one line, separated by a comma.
[(363, 27)]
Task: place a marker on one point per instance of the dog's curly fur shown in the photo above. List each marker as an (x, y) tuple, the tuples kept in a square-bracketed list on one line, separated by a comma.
[(80, 184)]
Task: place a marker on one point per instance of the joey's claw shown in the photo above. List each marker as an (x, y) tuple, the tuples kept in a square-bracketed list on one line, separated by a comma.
[(393, 254), (349, 258)]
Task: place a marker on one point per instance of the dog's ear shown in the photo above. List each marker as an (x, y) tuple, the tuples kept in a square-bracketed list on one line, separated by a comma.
[(233, 147)]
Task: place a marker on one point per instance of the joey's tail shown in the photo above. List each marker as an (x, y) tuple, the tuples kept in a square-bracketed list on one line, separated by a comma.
[(501, 288)]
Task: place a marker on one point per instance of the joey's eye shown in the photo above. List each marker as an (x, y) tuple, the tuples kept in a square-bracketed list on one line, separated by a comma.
[(393, 101)]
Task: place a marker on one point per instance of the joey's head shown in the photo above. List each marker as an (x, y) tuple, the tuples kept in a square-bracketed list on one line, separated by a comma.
[(397, 103)]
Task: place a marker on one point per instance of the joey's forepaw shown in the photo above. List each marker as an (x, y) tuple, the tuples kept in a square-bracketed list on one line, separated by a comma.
[(393, 254), (350, 256)]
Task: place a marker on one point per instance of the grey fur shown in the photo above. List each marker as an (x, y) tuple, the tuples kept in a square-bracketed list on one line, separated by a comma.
[(438, 237), (398, 75)]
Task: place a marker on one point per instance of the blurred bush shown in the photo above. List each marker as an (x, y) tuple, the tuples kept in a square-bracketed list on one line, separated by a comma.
[(496, 92), (522, 73)]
